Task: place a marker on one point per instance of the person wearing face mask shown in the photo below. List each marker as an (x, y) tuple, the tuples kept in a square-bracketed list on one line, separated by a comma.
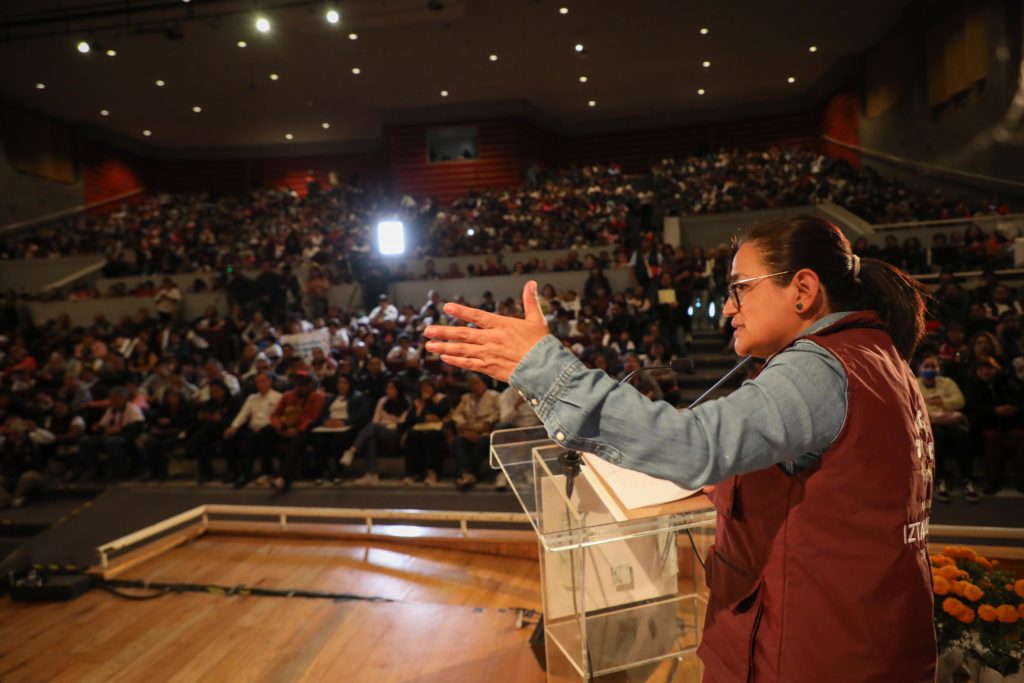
[(821, 464), (949, 426)]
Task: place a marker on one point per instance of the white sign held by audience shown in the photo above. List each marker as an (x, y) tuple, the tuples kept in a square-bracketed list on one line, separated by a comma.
[(305, 342)]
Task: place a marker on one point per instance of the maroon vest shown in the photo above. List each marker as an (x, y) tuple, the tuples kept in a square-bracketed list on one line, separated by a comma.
[(824, 575)]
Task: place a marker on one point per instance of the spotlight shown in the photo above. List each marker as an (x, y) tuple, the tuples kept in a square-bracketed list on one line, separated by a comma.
[(104, 112), (242, 43), (288, 136), (111, 53), (262, 24), (700, 91), (470, 232), (197, 109), (160, 83), (579, 47), (706, 64), (812, 48), (391, 238), (356, 70), (353, 36), (704, 31), (332, 16), (493, 58), (791, 79), (444, 93), (84, 47), (563, 10), (592, 103), (40, 86), (274, 77), (325, 125), (583, 79), (147, 132)]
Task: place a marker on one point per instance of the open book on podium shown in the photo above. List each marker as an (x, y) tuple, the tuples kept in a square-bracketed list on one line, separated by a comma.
[(630, 495)]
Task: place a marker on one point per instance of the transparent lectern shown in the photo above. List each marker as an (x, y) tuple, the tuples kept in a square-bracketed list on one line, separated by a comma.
[(623, 591)]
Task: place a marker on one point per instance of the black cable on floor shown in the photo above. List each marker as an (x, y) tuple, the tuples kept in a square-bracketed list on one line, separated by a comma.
[(228, 591)]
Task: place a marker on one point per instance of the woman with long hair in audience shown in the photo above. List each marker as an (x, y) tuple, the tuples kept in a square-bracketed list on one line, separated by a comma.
[(822, 464), (382, 434)]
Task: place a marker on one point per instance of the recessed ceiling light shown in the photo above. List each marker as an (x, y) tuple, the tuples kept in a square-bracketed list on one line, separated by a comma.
[(325, 125), (197, 109), (444, 93), (262, 24), (579, 47), (563, 10), (706, 64), (791, 79), (493, 58), (242, 43), (353, 36), (83, 46), (356, 70), (147, 132), (160, 83), (288, 136), (704, 31), (104, 112), (40, 86), (332, 16), (274, 77), (592, 103), (583, 79), (812, 48), (111, 53), (700, 91)]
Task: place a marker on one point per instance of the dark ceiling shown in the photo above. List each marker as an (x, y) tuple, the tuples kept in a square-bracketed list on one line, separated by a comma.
[(642, 58)]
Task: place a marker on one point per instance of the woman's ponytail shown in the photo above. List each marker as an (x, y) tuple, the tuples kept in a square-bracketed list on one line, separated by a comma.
[(899, 300)]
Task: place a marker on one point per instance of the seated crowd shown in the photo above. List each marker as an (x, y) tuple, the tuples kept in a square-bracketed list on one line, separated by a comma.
[(246, 394), (332, 224)]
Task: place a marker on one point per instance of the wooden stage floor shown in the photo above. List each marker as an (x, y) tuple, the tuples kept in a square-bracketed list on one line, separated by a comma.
[(452, 619)]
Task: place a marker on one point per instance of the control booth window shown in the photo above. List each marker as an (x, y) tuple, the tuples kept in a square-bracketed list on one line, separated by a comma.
[(453, 144)]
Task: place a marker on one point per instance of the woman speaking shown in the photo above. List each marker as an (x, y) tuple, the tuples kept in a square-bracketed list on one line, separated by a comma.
[(822, 463)]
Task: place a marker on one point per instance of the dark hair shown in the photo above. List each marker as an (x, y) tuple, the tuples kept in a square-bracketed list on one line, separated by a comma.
[(797, 242), (399, 404)]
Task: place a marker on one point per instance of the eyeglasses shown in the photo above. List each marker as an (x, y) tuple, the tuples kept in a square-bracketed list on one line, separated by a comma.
[(739, 287)]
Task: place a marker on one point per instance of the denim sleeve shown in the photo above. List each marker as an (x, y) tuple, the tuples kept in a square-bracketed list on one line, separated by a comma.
[(788, 415)]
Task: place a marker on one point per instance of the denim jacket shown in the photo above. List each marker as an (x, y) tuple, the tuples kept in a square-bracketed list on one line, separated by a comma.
[(787, 416)]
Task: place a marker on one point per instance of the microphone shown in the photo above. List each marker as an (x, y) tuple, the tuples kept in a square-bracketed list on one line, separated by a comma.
[(720, 382), (679, 365), (571, 461)]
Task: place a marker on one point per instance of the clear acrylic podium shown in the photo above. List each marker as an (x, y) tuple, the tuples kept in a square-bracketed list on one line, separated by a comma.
[(623, 600)]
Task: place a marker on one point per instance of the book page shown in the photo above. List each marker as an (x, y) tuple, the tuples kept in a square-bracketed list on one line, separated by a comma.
[(635, 489)]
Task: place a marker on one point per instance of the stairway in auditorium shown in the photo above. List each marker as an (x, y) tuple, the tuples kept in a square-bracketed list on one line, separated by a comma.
[(711, 360)]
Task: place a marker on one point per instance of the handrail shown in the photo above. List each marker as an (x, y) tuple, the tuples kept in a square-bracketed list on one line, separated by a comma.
[(920, 165), (940, 222), (32, 222)]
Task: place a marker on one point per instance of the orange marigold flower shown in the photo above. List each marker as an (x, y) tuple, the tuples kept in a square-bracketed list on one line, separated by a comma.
[(1020, 610), (983, 561), (952, 606), (941, 586), (972, 592), (966, 616), (1007, 614), (941, 560), (1018, 587), (949, 572), (962, 574), (960, 588), (987, 613)]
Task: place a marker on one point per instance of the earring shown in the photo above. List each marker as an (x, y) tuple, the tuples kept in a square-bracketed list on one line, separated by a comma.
[(799, 307)]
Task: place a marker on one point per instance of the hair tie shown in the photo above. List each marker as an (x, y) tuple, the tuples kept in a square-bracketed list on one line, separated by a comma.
[(856, 267)]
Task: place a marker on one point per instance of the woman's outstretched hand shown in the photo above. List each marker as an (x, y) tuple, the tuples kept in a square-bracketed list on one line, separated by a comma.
[(497, 344)]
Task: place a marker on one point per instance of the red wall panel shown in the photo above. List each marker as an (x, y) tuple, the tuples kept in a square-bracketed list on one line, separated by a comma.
[(108, 172), (841, 120)]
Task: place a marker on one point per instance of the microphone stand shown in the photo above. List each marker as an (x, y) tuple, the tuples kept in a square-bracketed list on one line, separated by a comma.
[(720, 382)]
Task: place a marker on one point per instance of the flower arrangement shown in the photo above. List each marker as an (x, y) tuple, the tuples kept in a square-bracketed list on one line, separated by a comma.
[(978, 608)]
